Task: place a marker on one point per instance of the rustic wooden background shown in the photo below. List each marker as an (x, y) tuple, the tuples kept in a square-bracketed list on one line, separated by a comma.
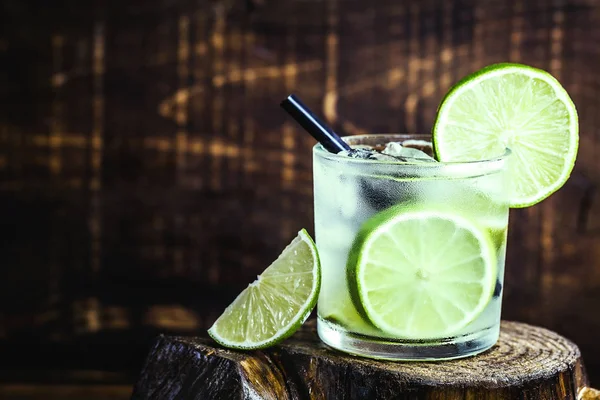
[(147, 173)]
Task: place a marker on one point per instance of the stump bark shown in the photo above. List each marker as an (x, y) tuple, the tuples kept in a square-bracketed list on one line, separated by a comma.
[(527, 363)]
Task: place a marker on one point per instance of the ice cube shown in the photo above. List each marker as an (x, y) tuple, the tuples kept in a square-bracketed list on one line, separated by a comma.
[(336, 235), (366, 154), (380, 192), (396, 149), (393, 149), (348, 197), (422, 145)]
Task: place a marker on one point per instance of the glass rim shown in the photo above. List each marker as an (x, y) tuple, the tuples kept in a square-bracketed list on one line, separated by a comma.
[(322, 152)]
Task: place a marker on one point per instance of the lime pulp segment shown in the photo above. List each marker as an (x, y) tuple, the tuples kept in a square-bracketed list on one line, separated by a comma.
[(275, 305), (420, 274), (514, 106)]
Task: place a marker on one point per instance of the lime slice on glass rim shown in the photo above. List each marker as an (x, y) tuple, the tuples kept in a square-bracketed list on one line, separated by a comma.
[(421, 273), (514, 106), (277, 303)]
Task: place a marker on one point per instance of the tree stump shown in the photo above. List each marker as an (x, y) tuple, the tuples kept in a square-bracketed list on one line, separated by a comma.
[(527, 363)]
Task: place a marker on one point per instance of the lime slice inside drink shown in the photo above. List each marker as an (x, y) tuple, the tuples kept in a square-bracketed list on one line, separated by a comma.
[(277, 303), (344, 314), (420, 274), (514, 106)]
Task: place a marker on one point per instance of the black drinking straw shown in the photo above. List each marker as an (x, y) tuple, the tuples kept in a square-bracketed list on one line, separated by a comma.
[(313, 125)]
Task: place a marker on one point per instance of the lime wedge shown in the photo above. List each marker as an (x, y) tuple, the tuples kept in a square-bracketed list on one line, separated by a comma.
[(420, 274), (277, 303), (514, 106)]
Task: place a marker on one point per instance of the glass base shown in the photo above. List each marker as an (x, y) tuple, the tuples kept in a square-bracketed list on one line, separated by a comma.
[(406, 350)]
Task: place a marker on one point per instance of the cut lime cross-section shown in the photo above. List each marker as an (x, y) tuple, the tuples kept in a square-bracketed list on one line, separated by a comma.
[(514, 106), (275, 305), (420, 274)]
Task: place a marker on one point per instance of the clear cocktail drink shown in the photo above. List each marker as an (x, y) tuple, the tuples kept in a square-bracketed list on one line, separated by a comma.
[(412, 253)]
